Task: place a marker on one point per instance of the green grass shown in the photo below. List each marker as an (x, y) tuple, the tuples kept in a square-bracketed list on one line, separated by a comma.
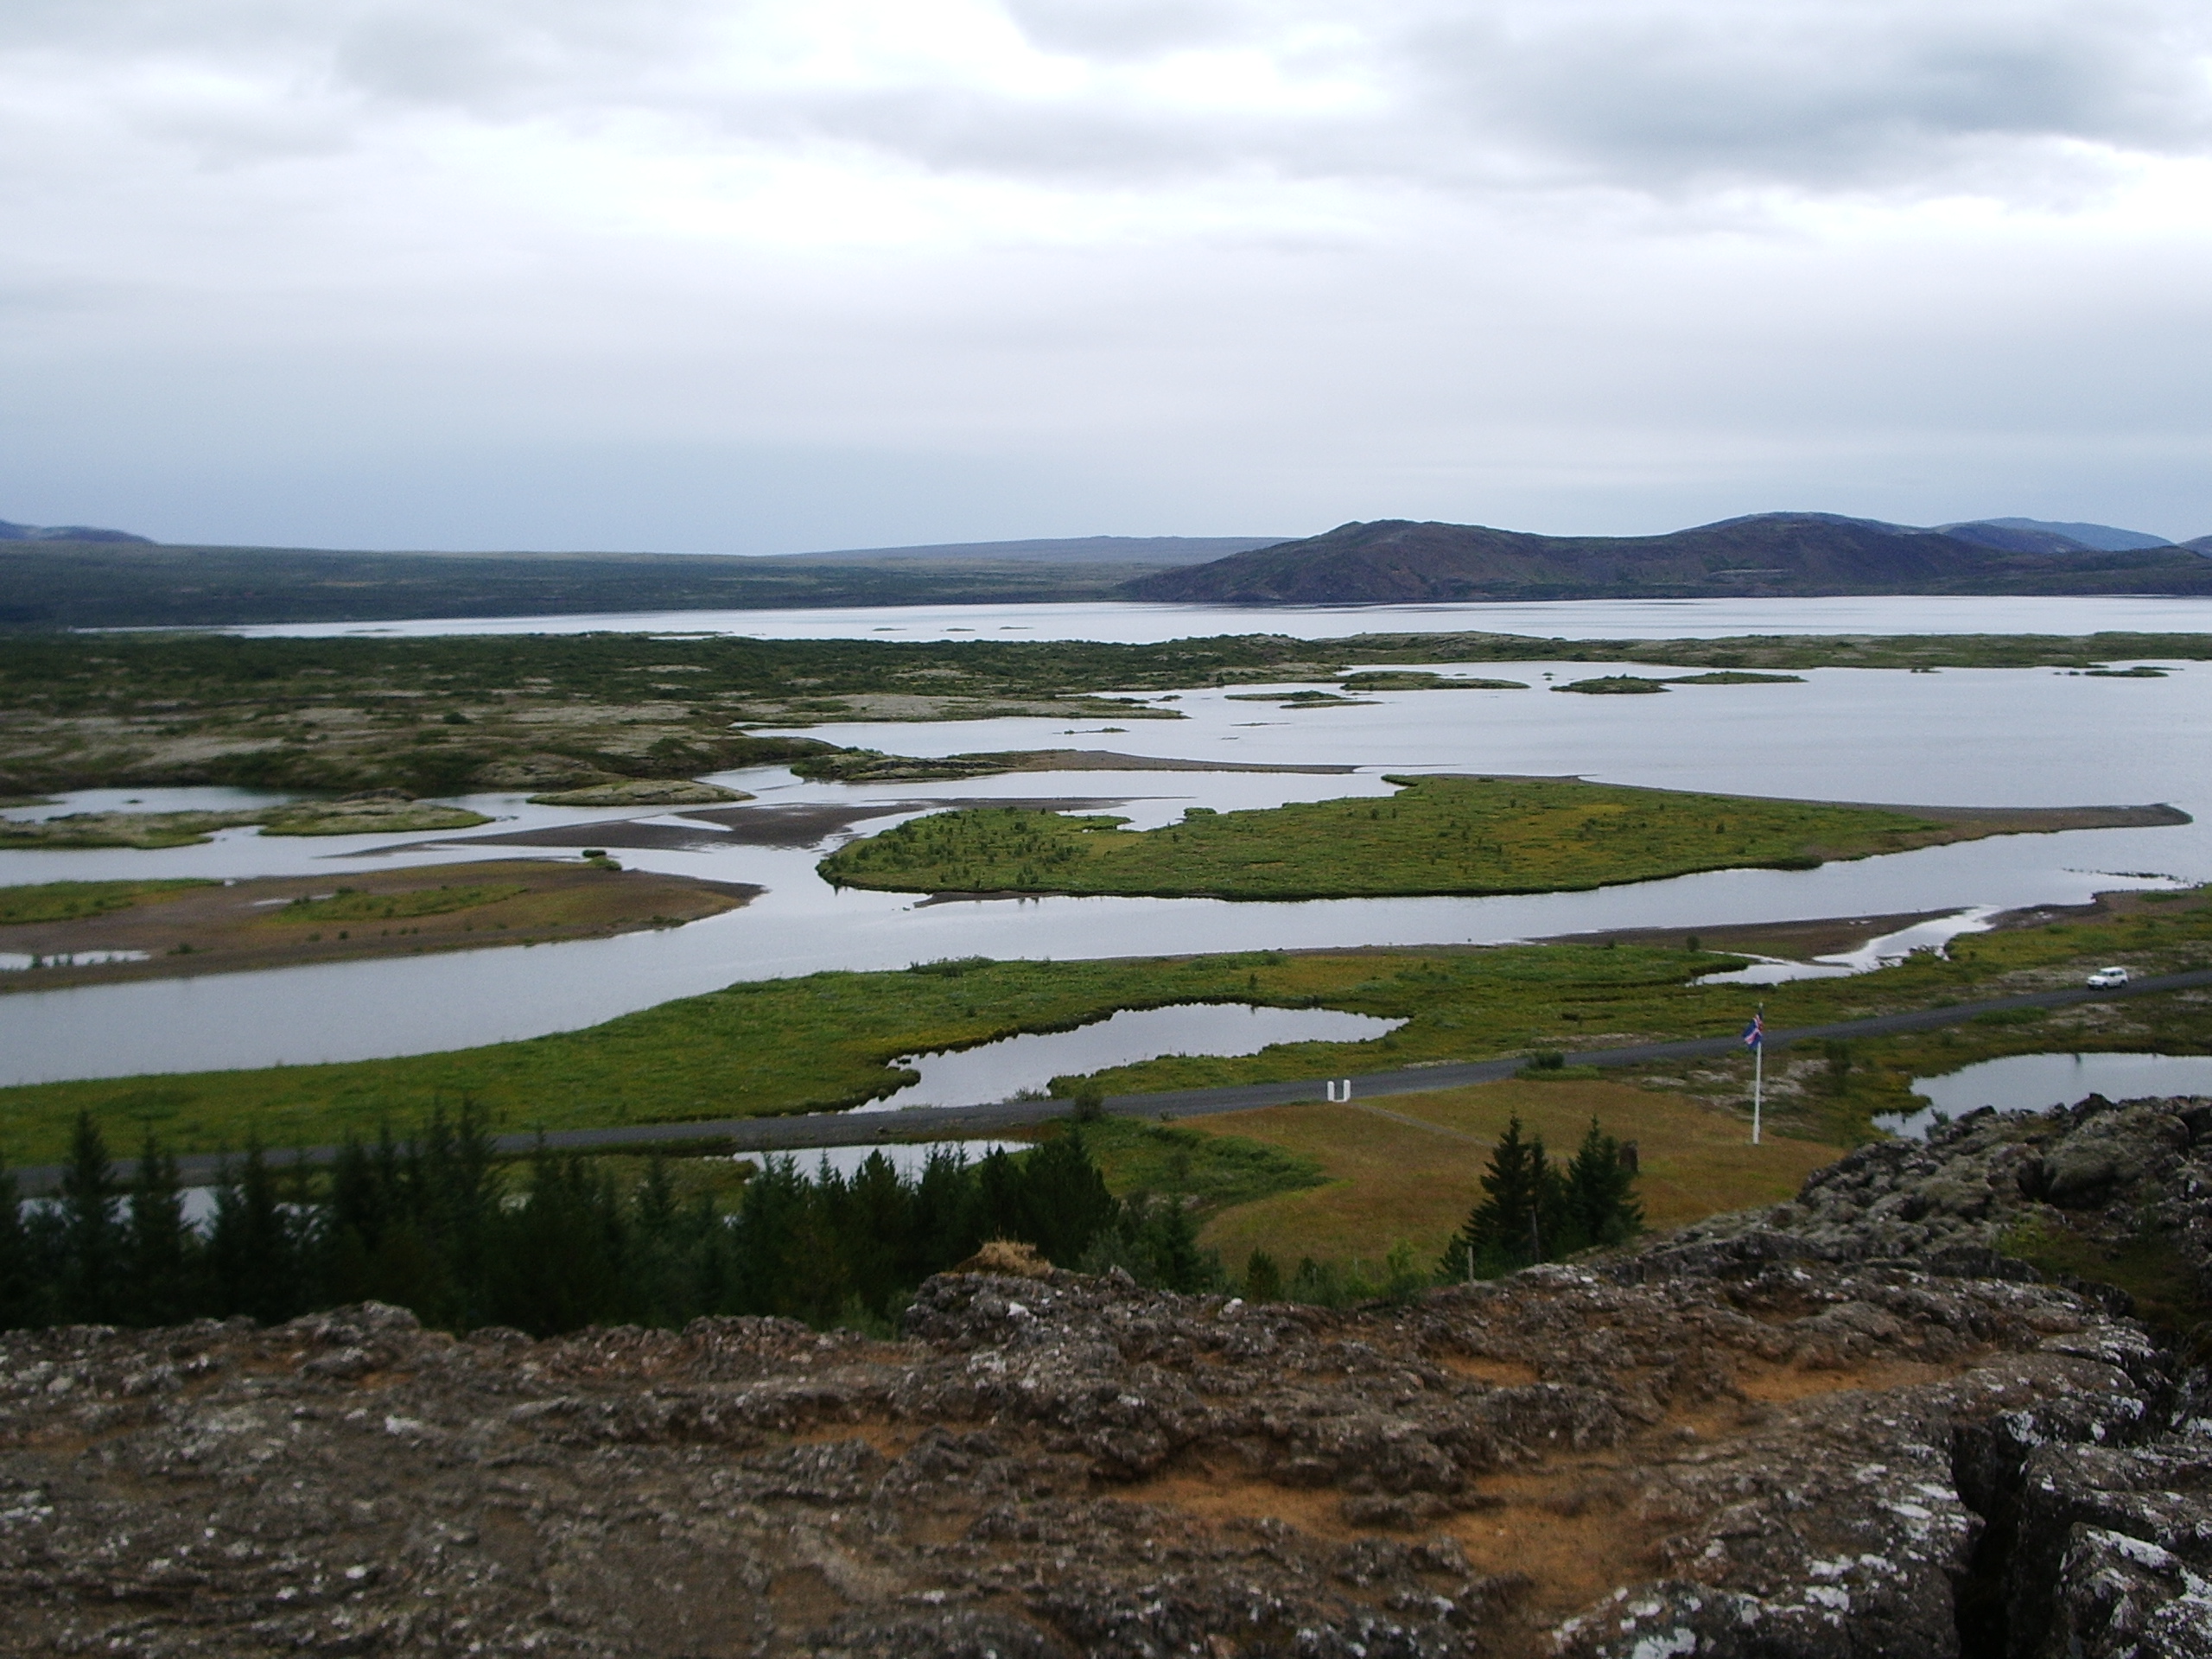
[(1437, 835), (826, 1040), (69, 901), (1216, 1172), (349, 905), (1386, 1178), (2148, 1265)]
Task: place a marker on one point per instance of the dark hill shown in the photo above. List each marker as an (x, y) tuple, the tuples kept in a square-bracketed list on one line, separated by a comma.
[(67, 533), (1769, 555), (2104, 538)]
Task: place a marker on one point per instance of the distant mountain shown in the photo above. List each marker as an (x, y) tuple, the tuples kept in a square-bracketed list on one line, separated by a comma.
[(130, 582), (1765, 554), (2100, 539), (67, 533), (1073, 549)]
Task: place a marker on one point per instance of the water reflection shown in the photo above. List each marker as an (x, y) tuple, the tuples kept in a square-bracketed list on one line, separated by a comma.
[(1932, 935), (1986, 737), (2030, 1083), (1000, 1070), (1133, 623)]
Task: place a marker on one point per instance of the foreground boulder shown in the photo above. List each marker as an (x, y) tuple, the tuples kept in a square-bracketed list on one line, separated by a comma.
[(1846, 1425)]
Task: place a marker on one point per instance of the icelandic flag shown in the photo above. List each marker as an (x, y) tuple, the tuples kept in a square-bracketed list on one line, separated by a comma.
[(1755, 1033)]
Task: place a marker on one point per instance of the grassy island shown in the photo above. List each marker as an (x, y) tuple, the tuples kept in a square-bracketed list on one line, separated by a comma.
[(94, 932), (1437, 835)]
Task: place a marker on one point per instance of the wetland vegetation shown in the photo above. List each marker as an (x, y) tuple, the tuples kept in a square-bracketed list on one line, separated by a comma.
[(830, 1041), (199, 927), (437, 715), (1437, 835), (354, 816)]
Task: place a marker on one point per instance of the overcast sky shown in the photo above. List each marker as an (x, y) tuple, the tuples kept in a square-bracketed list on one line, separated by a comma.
[(713, 276)]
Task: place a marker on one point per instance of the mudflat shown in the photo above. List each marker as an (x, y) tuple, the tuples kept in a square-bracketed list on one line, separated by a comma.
[(284, 921)]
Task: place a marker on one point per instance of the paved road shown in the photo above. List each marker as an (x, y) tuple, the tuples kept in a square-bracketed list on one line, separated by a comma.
[(806, 1131)]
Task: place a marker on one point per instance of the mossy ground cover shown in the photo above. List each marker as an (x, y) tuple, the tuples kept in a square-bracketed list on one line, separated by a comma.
[(158, 830), (66, 901), (1425, 680), (1411, 1175), (440, 714), (1436, 835), (1213, 1169), (352, 904)]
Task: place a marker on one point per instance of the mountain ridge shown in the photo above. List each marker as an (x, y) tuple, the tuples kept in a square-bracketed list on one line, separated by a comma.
[(1774, 555)]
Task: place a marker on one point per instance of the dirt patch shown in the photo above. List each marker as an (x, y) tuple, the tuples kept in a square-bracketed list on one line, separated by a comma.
[(799, 824), (1563, 1529), (285, 921), (1798, 941)]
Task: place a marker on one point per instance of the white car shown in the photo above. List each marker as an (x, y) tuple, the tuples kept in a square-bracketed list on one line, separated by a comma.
[(2106, 979)]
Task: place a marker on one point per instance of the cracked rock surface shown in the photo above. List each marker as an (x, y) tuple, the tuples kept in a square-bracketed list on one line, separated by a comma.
[(1844, 1426)]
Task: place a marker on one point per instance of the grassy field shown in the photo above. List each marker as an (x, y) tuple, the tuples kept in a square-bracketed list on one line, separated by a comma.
[(1436, 835), (1407, 1170), (548, 712), (69, 901), (826, 1041)]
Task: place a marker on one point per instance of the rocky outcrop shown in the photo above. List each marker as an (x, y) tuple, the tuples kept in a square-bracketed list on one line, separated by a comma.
[(1846, 1425)]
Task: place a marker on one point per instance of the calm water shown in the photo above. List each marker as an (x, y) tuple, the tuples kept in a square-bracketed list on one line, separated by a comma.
[(2030, 1083), (1591, 619), (1933, 936), (1990, 737), (995, 1072)]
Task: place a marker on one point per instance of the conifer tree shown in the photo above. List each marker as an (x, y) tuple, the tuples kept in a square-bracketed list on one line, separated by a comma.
[(1601, 1204), (1068, 1199), (1262, 1278), (91, 1234), (255, 1246), (21, 1299), (1517, 1219), (161, 1246), (559, 1263)]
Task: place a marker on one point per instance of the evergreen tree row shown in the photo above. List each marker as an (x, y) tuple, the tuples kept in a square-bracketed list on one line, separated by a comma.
[(1534, 1209), (434, 1224)]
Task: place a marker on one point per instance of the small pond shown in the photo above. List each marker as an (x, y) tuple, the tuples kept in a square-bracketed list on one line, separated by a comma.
[(1000, 1070), (2030, 1082)]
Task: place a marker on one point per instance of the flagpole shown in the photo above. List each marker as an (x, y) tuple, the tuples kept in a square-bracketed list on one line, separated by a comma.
[(1758, 1074)]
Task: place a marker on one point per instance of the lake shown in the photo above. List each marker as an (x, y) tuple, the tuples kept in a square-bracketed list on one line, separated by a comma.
[(2032, 1083), (1127, 623), (1000, 1070), (1980, 736)]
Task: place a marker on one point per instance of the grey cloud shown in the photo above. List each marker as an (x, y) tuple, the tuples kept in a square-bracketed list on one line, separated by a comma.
[(1665, 98), (1820, 95), (1139, 28)]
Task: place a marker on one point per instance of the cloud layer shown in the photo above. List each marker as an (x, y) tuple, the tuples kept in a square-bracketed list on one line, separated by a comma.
[(758, 275)]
